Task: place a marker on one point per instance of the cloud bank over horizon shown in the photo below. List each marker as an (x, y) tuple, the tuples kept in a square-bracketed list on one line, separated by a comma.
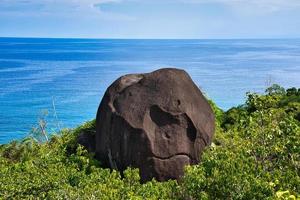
[(150, 18)]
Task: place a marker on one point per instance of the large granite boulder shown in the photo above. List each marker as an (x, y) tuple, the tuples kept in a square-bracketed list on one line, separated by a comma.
[(158, 122)]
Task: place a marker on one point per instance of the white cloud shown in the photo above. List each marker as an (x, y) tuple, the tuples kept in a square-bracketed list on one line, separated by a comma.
[(272, 5), (60, 8), (92, 8), (254, 5), (48, 4)]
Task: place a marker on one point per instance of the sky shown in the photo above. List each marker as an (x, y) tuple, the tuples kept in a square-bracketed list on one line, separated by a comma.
[(182, 19)]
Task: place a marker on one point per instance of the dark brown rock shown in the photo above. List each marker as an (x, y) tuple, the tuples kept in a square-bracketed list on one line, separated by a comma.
[(87, 140), (158, 122)]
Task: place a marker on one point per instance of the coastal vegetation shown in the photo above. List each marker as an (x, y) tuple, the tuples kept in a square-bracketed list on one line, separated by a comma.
[(255, 154)]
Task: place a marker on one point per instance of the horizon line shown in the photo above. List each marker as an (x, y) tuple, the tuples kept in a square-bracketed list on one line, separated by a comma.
[(119, 38)]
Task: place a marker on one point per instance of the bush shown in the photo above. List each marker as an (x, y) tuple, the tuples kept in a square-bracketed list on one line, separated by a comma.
[(255, 155)]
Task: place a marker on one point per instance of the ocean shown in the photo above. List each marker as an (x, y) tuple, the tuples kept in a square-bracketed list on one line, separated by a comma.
[(67, 78)]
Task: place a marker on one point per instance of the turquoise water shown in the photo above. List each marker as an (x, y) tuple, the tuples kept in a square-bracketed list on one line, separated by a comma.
[(74, 73)]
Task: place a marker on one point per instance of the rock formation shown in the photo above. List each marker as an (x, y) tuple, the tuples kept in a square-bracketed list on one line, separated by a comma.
[(158, 122)]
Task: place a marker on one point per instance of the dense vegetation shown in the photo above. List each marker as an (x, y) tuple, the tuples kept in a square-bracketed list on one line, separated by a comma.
[(255, 155)]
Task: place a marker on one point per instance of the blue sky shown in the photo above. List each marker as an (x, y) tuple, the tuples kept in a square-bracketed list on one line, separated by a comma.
[(150, 18)]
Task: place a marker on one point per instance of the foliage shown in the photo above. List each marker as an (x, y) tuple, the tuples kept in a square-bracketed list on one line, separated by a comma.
[(219, 113), (255, 155), (276, 89)]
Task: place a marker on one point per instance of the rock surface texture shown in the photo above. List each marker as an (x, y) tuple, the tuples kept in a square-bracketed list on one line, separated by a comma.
[(158, 122)]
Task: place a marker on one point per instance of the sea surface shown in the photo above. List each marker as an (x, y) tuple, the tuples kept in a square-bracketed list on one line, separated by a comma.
[(67, 78)]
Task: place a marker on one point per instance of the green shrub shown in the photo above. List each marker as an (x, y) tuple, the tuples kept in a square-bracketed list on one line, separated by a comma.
[(255, 155)]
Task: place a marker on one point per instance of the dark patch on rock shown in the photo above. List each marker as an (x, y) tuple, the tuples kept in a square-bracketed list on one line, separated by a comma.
[(87, 140), (158, 122)]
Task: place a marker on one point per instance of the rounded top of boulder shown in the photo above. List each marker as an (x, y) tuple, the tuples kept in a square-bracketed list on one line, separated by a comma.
[(157, 121)]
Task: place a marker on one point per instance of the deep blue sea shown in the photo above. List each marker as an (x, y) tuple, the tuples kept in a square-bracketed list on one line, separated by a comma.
[(73, 74)]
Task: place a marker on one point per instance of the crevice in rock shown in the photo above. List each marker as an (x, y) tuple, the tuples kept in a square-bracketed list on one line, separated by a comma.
[(172, 156), (191, 130), (162, 118)]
